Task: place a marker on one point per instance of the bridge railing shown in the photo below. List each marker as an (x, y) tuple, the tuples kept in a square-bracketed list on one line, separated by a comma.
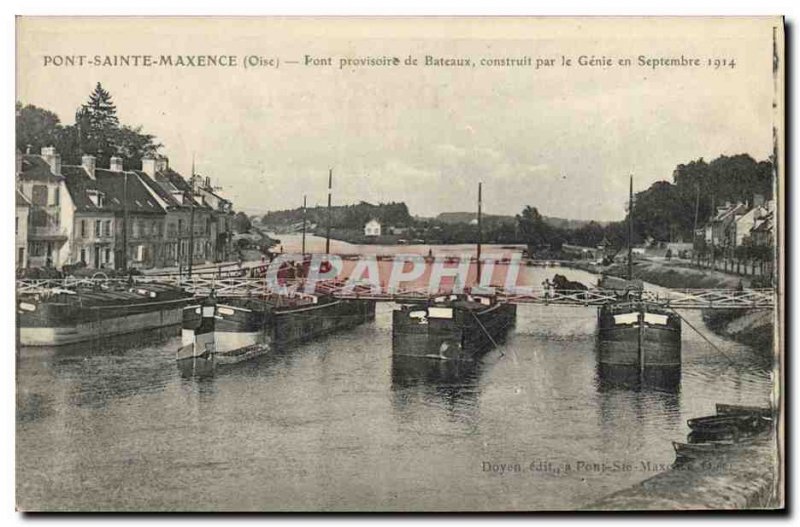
[(201, 285)]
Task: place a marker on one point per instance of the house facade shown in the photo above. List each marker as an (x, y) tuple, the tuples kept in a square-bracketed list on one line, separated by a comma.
[(739, 224), (190, 228), (117, 223), (23, 208), (41, 182), (372, 228), (111, 218)]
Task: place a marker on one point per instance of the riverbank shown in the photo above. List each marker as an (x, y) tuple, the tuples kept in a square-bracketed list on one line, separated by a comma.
[(746, 478), (754, 328)]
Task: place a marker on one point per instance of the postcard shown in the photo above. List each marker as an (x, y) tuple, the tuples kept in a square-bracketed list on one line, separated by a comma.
[(407, 264)]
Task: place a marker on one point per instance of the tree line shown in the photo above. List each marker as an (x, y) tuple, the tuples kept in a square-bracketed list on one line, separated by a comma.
[(96, 131)]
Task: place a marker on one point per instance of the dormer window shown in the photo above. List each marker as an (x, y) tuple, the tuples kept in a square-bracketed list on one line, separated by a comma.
[(97, 198), (178, 195)]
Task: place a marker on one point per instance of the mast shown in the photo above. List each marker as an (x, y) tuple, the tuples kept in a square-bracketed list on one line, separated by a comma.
[(191, 219), (630, 230), (696, 217), (328, 229), (304, 225), (480, 202)]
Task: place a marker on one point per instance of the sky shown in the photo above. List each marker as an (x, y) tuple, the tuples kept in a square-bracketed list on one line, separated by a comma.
[(561, 138)]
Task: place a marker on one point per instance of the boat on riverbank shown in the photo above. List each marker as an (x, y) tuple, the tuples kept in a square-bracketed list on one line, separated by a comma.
[(88, 313)]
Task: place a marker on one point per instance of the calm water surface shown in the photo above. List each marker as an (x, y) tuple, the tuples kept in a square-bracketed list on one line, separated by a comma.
[(337, 425)]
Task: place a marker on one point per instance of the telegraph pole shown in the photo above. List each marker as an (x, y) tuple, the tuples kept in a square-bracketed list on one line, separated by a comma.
[(125, 222), (191, 220)]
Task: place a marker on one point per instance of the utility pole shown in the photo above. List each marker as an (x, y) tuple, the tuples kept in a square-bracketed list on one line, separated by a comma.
[(191, 220), (328, 230), (125, 222), (304, 226), (480, 202)]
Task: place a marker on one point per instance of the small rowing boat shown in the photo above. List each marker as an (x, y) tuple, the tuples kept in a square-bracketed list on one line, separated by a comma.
[(733, 409)]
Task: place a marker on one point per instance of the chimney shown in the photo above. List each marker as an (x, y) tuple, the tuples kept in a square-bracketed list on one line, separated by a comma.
[(149, 166), (52, 158), (115, 164), (89, 163), (162, 164)]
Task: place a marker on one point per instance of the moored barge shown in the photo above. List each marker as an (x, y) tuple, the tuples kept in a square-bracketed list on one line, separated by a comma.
[(636, 333), (82, 314), (451, 327), (631, 331), (232, 330)]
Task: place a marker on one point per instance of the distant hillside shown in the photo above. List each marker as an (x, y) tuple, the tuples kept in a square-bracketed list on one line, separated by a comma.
[(466, 217), (342, 216)]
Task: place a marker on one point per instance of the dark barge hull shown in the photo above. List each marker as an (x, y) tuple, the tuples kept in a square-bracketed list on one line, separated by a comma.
[(639, 343), (245, 329), (465, 335), (90, 316), (297, 325)]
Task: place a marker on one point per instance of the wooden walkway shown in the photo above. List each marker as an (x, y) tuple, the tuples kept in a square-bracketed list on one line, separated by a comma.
[(256, 287)]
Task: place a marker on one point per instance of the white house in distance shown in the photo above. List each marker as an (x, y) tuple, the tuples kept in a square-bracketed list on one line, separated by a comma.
[(372, 228)]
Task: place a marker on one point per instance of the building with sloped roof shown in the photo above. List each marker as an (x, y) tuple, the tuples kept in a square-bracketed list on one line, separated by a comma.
[(190, 223), (23, 208), (117, 222), (40, 181)]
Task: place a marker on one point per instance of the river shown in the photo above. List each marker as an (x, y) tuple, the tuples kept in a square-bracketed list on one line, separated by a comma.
[(336, 425)]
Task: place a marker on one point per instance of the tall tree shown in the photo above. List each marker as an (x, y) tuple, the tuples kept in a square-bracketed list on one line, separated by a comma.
[(98, 125), (35, 128), (131, 144), (101, 110)]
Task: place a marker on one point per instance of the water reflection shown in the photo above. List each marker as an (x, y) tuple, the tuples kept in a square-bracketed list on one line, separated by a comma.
[(453, 385), (113, 345), (91, 374), (612, 377)]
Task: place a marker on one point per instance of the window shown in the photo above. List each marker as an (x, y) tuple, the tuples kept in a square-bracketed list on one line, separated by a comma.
[(97, 224), (83, 255), (36, 249), (83, 228), (107, 228), (57, 196), (39, 195), (21, 256), (16, 225), (108, 255)]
